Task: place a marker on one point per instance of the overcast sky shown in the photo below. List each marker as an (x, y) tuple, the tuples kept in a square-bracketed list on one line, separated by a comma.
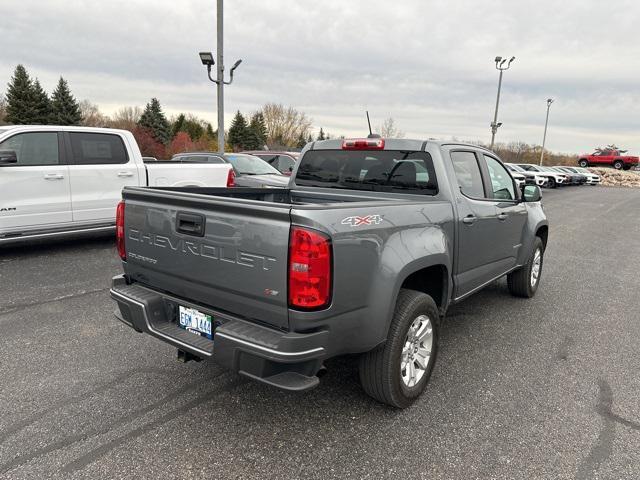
[(428, 64)]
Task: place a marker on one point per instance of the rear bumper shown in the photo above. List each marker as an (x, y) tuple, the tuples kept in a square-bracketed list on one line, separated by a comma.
[(283, 359)]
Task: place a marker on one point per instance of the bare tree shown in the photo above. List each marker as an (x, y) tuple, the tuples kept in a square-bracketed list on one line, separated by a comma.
[(126, 118), (285, 125), (388, 129), (3, 109), (91, 115)]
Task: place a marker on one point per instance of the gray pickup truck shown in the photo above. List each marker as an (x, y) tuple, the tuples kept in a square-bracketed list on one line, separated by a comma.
[(363, 253)]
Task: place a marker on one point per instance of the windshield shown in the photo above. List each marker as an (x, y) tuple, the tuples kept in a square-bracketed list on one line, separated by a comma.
[(250, 165), (377, 170), (515, 168)]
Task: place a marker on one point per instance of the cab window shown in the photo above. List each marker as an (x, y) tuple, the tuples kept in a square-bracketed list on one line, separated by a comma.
[(34, 148), (501, 181), (468, 174)]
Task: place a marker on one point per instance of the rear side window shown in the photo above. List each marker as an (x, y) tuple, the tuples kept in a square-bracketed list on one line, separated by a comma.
[(97, 148), (35, 148), (468, 174), (376, 170), (285, 163)]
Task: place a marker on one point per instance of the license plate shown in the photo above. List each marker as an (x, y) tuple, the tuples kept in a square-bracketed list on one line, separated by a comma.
[(195, 322)]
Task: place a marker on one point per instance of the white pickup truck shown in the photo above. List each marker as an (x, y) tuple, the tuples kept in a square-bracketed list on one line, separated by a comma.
[(68, 180)]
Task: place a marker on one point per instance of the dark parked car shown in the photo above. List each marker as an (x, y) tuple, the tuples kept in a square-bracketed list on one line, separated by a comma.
[(283, 161), (250, 170)]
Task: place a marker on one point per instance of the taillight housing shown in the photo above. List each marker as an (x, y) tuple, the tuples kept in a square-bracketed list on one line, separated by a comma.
[(310, 269), (120, 231), (231, 178), (363, 144)]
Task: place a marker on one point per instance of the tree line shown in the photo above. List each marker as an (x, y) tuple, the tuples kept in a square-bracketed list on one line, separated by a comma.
[(273, 126)]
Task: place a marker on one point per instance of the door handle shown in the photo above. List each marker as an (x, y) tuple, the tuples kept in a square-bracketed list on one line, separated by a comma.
[(469, 219), (53, 176), (502, 217), (125, 174)]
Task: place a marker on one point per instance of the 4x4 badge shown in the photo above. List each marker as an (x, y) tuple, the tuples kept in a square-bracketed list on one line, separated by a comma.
[(364, 220)]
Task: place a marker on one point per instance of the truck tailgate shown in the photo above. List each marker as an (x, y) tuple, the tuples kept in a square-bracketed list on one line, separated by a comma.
[(228, 254)]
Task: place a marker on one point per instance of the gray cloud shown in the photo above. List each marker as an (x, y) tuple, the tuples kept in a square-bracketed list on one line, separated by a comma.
[(427, 64)]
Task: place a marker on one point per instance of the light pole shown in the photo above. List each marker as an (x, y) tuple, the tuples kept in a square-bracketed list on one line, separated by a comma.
[(546, 122), (501, 67), (207, 59)]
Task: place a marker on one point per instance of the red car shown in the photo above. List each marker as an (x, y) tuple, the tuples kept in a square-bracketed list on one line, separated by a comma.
[(610, 157)]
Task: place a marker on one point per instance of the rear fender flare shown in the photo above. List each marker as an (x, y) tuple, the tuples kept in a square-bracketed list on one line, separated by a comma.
[(407, 252)]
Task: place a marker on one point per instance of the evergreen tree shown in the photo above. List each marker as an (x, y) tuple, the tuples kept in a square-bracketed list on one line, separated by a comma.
[(309, 139), (238, 132), (177, 125), (259, 129), (154, 120), (321, 134), (193, 126), (64, 107), (43, 109), (21, 108)]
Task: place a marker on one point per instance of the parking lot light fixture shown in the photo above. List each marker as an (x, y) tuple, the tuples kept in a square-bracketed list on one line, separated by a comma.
[(207, 58), (546, 122), (500, 65)]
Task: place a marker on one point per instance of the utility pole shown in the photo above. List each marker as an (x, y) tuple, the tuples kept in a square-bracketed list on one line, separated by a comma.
[(546, 122), (499, 66), (220, 77), (207, 59)]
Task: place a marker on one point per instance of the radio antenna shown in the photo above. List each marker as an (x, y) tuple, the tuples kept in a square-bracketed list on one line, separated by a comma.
[(369, 122)]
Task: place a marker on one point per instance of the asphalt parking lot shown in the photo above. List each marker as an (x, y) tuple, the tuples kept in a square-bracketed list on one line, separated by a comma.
[(541, 388)]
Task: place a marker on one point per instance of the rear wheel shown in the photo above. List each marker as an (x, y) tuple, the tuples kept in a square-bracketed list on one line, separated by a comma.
[(524, 281), (583, 163), (397, 372), (551, 182), (618, 164)]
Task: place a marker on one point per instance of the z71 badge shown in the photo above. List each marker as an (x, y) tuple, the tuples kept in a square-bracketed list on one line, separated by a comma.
[(364, 220)]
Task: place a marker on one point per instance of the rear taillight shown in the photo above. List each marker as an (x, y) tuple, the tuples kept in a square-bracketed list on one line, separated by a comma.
[(231, 178), (120, 231), (309, 269), (363, 144)]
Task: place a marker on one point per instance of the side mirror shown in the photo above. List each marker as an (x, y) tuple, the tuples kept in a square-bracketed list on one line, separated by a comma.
[(531, 193), (7, 157)]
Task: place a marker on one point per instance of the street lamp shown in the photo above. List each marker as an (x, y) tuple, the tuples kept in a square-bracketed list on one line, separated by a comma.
[(500, 65), (546, 122), (207, 59)]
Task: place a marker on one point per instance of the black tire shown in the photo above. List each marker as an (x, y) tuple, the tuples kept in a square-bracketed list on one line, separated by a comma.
[(380, 369), (551, 182), (618, 164), (519, 281), (583, 163)]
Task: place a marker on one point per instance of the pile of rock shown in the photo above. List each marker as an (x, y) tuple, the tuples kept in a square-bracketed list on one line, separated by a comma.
[(618, 178)]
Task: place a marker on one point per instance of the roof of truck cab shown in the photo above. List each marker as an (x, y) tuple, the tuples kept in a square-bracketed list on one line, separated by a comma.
[(59, 128), (396, 144)]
